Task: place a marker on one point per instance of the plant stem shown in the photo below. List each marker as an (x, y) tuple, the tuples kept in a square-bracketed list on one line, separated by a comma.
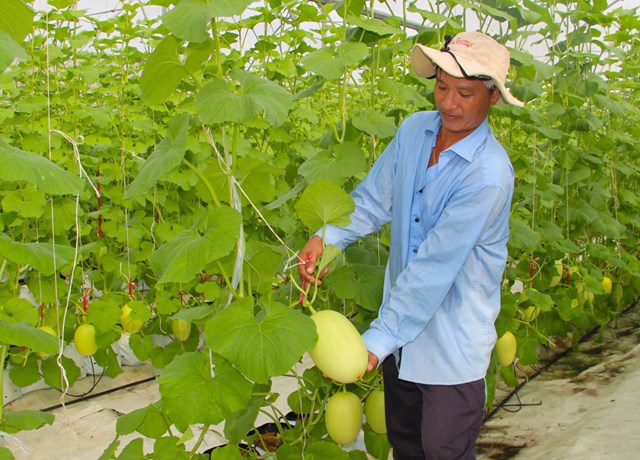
[(227, 281), (205, 428), (3, 357), (204, 179)]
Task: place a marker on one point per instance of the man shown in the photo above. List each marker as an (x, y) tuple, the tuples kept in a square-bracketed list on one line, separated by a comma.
[(445, 184)]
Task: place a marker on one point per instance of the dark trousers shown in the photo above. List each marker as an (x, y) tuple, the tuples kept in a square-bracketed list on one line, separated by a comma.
[(432, 422)]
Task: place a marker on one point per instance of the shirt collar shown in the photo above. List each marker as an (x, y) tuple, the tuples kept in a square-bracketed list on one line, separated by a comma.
[(466, 147)]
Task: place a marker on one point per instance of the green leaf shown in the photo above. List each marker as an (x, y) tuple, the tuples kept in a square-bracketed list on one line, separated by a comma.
[(5, 454), (402, 92), (331, 64), (363, 283), (14, 422), (550, 232), (110, 452), (616, 108), (527, 349), (51, 371), (257, 179), (133, 451), (22, 166), (170, 448), (324, 203), (141, 346), (163, 72), (578, 174), (377, 444), (194, 314), (107, 359), (39, 256), (261, 263), (25, 374), (148, 421), (264, 345), (166, 157), (16, 19), (329, 254), (210, 290), (508, 309), (191, 250), (10, 50), (17, 310), (240, 423), (522, 236), (26, 335), (26, 203), (374, 123), (161, 356), (228, 452), (551, 133), (195, 390), (104, 313), (341, 162), (312, 450), (374, 25), (360, 455), (139, 310), (542, 301), (218, 102), (346, 9), (190, 19), (608, 225)]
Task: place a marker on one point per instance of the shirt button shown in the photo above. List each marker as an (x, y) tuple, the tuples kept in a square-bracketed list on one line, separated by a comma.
[(417, 219), (415, 250)]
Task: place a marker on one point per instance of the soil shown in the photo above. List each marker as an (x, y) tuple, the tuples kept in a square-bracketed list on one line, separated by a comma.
[(582, 405)]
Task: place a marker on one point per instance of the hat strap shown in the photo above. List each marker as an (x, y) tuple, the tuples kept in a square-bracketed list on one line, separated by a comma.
[(446, 49)]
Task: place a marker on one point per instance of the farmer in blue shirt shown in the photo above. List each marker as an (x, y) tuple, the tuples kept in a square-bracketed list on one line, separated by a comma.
[(445, 184)]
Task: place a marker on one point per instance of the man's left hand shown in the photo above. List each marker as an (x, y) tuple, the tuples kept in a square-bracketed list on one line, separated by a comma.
[(373, 362)]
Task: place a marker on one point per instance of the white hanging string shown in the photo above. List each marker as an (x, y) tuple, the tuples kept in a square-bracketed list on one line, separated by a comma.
[(83, 174), (293, 255)]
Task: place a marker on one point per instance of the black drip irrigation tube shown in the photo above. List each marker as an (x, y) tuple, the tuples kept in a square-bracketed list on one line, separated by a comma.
[(556, 358), (96, 395)]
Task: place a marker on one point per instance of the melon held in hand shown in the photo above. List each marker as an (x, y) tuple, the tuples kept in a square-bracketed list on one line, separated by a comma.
[(340, 352)]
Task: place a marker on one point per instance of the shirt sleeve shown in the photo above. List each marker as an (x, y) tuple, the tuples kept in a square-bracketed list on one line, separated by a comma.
[(372, 197), (422, 286)]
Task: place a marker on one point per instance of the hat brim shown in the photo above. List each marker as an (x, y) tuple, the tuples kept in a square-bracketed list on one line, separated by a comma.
[(425, 60)]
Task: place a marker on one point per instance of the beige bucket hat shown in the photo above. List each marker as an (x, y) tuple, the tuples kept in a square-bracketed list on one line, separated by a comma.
[(467, 55)]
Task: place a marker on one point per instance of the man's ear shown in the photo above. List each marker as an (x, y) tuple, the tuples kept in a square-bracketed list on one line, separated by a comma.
[(494, 97)]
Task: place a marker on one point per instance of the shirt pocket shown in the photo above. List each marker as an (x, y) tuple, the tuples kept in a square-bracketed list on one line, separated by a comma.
[(431, 207)]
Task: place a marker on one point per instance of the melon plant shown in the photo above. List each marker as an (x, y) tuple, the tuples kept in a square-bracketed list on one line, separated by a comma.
[(183, 158)]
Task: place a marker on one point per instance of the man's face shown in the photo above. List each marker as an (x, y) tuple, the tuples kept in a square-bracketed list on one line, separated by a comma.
[(463, 103)]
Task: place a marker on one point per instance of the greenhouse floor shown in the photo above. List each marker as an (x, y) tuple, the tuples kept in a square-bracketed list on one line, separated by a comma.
[(584, 406)]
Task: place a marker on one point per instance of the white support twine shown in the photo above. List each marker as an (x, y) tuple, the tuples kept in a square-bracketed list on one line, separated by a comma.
[(293, 255)]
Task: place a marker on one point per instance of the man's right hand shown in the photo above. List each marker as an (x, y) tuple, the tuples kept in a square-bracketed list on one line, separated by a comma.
[(307, 259)]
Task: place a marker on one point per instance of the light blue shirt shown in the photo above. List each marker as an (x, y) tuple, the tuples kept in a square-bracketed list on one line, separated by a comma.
[(449, 231)]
